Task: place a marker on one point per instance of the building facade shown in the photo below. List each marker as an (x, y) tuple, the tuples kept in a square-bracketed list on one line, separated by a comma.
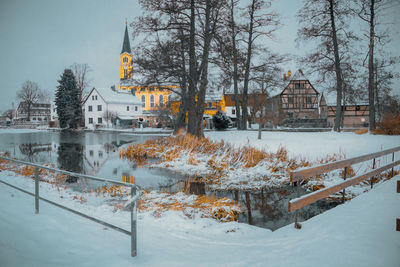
[(105, 107), (39, 112)]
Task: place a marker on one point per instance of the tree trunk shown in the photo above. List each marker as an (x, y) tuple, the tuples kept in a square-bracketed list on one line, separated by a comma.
[(338, 70), (247, 68), (371, 90), (235, 69), (192, 120), (260, 122)]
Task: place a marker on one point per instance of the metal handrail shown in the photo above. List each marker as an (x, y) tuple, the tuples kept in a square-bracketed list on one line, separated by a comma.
[(135, 195)]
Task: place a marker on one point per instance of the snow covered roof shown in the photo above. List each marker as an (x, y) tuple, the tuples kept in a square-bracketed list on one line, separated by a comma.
[(117, 97), (298, 75), (126, 117), (214, 95)]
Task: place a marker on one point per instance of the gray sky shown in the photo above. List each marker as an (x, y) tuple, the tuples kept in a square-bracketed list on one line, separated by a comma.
[(40, 38)]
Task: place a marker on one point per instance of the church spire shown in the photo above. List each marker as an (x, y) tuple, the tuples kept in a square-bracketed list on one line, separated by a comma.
[(126, 47)]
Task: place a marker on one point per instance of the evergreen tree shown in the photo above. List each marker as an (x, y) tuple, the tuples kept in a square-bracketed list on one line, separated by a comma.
[(69, 107), (221, 121)]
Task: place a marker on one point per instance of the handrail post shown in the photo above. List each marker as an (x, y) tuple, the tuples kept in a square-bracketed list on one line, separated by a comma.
[(392, 167), (133, 223), (297, 225), (372, 178), (36, 190), (344, 190)]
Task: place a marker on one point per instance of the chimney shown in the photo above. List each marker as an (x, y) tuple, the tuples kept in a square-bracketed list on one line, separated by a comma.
[(289, 73)]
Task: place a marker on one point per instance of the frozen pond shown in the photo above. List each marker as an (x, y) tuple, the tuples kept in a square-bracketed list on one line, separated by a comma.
[(97, 153), (93, 153)]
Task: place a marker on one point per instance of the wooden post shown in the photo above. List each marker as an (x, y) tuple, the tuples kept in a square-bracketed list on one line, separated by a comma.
[(344, 190), (36, 190), (297, 225), (372, 178), (133, 223), (392, 161), (398, 220)]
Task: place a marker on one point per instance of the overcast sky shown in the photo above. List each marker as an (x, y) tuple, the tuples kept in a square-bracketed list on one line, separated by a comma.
[(40, 38)]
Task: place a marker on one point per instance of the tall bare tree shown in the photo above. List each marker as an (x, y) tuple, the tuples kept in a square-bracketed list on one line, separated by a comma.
[(327, 22), (194, 23), (29, 94), (373, 13), (260, 22)]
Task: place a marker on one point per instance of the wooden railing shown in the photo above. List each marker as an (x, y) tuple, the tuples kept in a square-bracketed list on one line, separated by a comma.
[(308, 173)]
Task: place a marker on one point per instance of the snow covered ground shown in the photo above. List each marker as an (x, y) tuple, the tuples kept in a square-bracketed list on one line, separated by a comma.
[(358, 233), (310, 145)]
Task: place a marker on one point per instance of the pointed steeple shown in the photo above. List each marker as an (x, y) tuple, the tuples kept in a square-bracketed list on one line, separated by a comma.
[(126, 46)]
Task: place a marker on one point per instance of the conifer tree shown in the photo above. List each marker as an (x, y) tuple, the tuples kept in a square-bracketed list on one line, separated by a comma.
[(69, 109)]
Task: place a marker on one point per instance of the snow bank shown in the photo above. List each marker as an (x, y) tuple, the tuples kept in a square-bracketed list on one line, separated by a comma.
[(358, 233)]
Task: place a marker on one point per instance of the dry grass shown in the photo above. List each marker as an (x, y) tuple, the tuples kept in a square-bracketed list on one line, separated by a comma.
[(361, 131), (223, 209)]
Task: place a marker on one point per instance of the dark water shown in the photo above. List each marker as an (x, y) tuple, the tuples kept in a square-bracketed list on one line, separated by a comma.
[(97, 154)]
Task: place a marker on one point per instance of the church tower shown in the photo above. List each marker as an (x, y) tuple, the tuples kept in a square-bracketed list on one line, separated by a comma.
[(125, 70)]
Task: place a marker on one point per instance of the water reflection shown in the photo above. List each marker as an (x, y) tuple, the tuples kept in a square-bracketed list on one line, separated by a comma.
[(268, 208), (70, 154)]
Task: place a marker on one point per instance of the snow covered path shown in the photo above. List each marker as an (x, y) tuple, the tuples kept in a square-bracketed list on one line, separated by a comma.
[(358, 233)]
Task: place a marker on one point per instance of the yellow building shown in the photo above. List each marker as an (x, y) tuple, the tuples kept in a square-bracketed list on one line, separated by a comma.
[(155, 97), (152, 97), (214, 102)]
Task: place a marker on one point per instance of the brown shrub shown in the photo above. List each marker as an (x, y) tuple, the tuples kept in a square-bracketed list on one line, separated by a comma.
[(390, 125)]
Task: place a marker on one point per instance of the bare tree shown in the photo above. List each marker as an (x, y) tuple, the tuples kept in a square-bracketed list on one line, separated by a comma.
[(29, 94), (261, 22), (109, 116), (266, 77), (326, 22), (373, 13), (81, 76), (193, 24)]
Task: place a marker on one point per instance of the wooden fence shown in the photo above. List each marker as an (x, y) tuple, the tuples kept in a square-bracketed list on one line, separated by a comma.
[(307, 173)]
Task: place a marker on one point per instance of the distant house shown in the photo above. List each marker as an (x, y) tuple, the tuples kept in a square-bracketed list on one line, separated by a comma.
[(106, 107), (354, 115), (255, 103), (298, 105), (39, 112)]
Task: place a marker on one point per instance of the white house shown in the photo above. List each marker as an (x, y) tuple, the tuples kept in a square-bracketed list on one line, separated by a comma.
[(103, 106)]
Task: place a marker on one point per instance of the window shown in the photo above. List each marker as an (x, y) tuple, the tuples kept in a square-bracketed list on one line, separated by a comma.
[(125, 59), (125, 73), (143, 101), (210, 105), (90, 108), (309, 100), (91, 153), (161, 100), (290, 100), (233, 111), (95, 97), (92, 97), (98, 107), (100, 154), (152, 101), (358, 108), (127, 108), (299, 85), (91, 120), (136, 108), (99, 120)]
